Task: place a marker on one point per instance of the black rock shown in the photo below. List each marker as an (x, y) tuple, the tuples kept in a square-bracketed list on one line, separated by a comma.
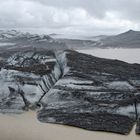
[(93, 93), (73, 89), (25, 78)]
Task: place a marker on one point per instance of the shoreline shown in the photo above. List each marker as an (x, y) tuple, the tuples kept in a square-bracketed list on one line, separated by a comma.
[(124, 54), (26, 127)]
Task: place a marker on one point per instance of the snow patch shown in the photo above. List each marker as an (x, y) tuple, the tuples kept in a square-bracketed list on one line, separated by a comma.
[(120, 85), (126, 110)]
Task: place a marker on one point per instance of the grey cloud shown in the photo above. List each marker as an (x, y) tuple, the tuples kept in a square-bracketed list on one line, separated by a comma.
[(127, 8), (75, 16)]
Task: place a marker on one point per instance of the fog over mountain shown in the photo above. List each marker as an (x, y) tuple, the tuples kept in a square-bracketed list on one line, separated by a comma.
[(78, 17)]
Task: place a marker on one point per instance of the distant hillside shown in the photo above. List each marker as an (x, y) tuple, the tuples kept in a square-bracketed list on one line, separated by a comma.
[(129, 39), (15, 40)]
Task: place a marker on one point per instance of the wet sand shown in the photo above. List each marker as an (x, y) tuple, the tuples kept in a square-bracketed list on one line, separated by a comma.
[(27, 127)]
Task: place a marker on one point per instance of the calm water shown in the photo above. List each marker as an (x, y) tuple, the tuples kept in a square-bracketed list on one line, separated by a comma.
[(127, 55)]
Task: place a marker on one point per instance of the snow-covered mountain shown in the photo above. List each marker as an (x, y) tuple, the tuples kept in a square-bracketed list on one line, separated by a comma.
[(14, 34), (14, 40), (9, 34)]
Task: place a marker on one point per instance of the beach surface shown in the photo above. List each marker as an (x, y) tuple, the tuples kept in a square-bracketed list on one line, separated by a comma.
[(27, 127)]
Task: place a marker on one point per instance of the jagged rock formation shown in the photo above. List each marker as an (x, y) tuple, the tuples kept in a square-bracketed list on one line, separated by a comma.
[(25, 79), (93, 93), (73, 89)]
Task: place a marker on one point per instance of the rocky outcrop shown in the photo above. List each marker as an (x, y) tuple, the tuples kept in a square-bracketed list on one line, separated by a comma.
[(93, 93), (72, 89), (25, 79)]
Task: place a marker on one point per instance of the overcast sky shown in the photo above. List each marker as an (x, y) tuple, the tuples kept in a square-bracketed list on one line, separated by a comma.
[(81, 17)]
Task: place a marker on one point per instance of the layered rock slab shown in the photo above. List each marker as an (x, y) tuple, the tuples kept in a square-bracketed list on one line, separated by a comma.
[(93, 93), (73, 89), (25, 78)]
